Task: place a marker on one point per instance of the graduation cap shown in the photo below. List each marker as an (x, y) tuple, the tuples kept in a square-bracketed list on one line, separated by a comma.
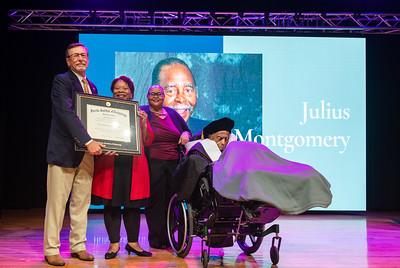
[(218, 125)]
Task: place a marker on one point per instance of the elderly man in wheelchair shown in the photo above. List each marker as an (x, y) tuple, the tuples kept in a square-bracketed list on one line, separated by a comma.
[(228, 191)]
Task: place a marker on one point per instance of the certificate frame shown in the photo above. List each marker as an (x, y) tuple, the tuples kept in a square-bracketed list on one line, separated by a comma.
[(110, 121)]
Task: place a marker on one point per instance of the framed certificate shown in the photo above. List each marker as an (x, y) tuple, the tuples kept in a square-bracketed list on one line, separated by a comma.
[(113, 122)]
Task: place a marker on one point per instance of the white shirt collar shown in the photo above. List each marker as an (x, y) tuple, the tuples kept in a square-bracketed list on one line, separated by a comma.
[(80, 77)]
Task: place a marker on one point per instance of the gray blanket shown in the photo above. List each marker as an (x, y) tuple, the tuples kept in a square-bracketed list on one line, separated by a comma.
[(250, 171)]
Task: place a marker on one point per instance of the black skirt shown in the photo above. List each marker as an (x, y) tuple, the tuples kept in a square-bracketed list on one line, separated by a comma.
[(121, 186)]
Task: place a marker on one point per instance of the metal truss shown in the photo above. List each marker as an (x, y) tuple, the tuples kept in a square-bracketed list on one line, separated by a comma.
[(219, 22)]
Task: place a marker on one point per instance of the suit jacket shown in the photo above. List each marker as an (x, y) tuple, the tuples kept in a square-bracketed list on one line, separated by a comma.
[(66, 128)]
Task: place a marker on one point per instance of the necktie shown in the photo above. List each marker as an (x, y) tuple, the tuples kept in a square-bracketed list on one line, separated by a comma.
[(86, 88)]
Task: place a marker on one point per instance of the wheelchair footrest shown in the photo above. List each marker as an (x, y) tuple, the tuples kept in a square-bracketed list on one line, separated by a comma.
[(272, 229)]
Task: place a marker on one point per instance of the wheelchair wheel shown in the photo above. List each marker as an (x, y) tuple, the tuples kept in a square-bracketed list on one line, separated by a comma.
[(249, 243), (274, 254), (274, 250), (180, 226)]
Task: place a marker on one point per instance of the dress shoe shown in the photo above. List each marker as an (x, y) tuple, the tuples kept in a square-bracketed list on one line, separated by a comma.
[(111, 255), (83, 255), (54, 260), (142, 253)]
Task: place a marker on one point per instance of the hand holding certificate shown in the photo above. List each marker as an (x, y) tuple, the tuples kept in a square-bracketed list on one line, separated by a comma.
[(113, 122)]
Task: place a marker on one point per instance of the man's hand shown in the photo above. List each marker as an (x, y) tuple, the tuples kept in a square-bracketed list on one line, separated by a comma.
[(95, 148), (184, 138)]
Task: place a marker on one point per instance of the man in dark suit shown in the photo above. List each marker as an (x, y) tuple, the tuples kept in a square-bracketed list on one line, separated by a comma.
[(69, 173)]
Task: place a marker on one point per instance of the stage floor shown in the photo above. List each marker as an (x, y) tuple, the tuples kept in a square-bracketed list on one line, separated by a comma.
[(314, 240)]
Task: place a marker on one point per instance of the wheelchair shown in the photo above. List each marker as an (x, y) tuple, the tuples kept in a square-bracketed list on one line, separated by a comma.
[(219, 222)]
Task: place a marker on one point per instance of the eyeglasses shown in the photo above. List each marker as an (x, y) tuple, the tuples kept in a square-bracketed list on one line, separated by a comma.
[(77, 55), (156, 94), (173, 90)]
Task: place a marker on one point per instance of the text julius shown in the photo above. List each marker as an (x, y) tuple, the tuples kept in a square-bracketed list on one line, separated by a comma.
[(323, 112)]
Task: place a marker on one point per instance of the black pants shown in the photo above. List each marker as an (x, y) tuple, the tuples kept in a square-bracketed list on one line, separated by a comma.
[(161, 189), (112, 220)]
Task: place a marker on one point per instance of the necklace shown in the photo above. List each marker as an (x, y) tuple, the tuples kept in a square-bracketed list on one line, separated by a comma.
[(161, 114)]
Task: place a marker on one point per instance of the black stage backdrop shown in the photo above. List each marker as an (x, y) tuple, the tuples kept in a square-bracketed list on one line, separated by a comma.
[(31, 59)]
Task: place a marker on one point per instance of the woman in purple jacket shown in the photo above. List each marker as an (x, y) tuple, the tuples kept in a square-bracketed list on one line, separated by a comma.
[(170, 132)]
